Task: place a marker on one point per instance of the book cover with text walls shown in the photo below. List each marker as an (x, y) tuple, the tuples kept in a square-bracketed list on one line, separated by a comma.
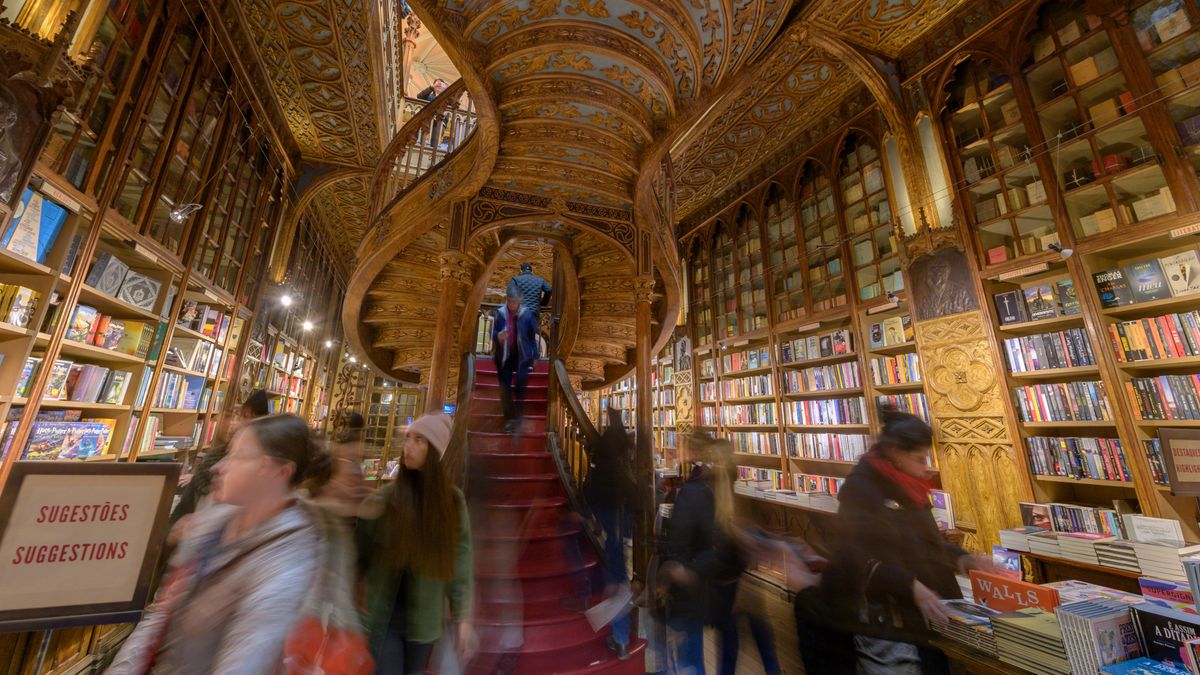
[(1002, 594)]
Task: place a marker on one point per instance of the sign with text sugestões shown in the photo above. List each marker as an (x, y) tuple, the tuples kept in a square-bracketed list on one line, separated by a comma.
[(79, 541)]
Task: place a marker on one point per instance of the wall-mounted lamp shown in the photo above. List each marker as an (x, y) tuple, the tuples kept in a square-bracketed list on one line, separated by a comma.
[(1063, 253)]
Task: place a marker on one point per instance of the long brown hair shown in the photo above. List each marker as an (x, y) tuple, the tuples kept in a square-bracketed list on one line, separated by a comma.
[(421, 521)]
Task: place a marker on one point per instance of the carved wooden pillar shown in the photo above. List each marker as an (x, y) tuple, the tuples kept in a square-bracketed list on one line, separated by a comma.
[(455, 273), (412, 30), (980, 466), (644, 457)]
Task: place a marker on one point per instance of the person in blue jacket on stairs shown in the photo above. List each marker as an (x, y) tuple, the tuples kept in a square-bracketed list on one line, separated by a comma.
[(514, 349)]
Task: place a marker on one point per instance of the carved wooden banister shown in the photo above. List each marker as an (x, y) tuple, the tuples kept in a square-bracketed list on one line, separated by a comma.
[(433, 132), (571, 436)]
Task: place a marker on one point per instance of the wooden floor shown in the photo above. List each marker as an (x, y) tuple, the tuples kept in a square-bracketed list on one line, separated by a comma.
[(754, 596)]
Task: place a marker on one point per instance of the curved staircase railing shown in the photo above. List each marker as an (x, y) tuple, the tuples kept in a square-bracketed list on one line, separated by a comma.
[(570, 435), (433, 133)]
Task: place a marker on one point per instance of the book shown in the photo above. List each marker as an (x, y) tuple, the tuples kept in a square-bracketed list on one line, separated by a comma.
[(1147, 281), (115, 387), (1141, 666), (1067, 301), (1097, 632), (82, 323), (1010, 307), (1175, 594), (107, 274), (893, 331), (1113, 288), (66, 440), (140, 290), (27, 374), (1040, 302), (56, 386), (1163, 631), (943, 509), (1035, 515), (1005, 595), (34, 227), (112, 336), (875, 333), (1182, 272), (1008, 563), (22, 307)]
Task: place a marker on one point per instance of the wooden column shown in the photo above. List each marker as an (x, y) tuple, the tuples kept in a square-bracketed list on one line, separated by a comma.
[(644, 454), (454, 274)]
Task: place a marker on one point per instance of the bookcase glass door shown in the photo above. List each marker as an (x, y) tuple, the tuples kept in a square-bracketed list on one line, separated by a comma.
[(1108, 171), (785, 262), (701, 300), (1000, 181), (751, 283), (1169, 33), (868, 215), (724, 274), (822, 239)]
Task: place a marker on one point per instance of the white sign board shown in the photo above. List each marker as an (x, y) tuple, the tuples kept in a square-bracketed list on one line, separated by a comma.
[(79, 542)]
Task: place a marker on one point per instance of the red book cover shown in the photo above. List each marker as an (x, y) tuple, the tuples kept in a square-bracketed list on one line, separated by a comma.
[(1007, 595), (1127, 102)]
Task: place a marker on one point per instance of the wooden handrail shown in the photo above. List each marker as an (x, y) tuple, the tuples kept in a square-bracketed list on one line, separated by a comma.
[(571, 401), (417, 148)]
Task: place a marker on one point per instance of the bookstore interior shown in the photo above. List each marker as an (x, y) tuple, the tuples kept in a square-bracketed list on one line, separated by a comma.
[(763, 221)]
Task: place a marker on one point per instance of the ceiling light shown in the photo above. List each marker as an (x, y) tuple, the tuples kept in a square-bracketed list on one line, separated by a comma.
[(180, 213), (307, 325), (286, 300), (353, 360), (328, 344)]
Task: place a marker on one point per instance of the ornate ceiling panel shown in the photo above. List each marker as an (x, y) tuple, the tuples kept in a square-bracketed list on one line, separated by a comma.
[(583, 84), (797, 87), (341, 208), (317, 55)]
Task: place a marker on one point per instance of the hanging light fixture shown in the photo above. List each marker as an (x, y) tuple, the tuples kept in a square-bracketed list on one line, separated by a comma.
[(180, 213), (285, 300), (307, 325)]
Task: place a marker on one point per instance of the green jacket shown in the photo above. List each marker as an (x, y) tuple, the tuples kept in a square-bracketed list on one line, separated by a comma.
[(426, 597)]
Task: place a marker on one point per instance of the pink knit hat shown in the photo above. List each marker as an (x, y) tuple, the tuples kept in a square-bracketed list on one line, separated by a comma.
[(434, 428)]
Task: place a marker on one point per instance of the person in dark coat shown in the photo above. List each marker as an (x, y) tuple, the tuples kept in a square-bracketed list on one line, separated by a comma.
[(514, 345), (535, 291), (891, 567), (431, 92), (608, 488)]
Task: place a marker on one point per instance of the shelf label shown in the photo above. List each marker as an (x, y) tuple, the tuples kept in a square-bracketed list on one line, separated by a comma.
[(60, 196), (211, 296), (1186, 230), (145, 252), (807, 327), (883, 308), (1023, 271)]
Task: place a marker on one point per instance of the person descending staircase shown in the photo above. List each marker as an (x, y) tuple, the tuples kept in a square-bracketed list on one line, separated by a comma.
[(535, 569)]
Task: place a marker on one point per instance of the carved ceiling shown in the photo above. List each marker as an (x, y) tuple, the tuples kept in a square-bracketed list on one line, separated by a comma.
[(796, 89), (318, 56), (583, 84), (341, 207), (538, 253)]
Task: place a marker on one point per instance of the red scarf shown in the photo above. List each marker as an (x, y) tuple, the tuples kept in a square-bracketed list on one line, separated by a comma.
[(916, 489)]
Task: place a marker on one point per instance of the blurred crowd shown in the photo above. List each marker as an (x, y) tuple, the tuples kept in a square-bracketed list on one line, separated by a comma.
[(284, 559)]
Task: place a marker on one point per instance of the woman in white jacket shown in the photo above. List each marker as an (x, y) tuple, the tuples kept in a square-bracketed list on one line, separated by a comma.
[(238, 580)]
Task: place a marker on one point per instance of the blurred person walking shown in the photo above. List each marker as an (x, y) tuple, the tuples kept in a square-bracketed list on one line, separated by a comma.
[(347, 490), (608, 490), (706, 554), (195, 494), (891, 566), (241, 577), (415, 550), (514, 349), (533, 290)]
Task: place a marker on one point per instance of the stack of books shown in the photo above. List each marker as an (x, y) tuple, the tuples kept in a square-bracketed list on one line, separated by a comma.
[(1163, 561), (1030, 639), (1045, 543), (1080, 546), (1017, 538), (1097, 633), (1164, 632), (969, 624), (1119, 554)]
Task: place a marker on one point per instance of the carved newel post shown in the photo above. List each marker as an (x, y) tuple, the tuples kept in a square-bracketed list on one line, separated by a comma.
[(455, 272)]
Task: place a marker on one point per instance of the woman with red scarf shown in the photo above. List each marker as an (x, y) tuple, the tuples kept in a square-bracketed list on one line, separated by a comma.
[(891, 568)]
